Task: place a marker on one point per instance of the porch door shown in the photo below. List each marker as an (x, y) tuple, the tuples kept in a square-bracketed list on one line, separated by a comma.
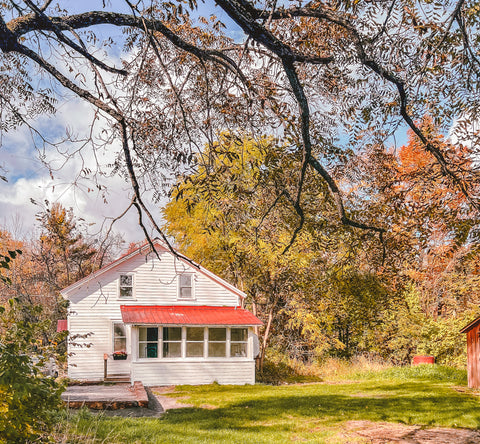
[(117, 365)]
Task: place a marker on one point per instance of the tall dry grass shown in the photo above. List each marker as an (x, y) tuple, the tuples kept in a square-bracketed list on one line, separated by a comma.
[(337, 369), (283, 370)]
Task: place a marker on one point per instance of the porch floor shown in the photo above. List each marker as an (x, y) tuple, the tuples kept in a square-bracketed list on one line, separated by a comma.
[(106, 397)]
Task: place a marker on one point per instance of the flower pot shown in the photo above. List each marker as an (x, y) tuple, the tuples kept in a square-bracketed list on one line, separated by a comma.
[(423, 360), (119, 357)]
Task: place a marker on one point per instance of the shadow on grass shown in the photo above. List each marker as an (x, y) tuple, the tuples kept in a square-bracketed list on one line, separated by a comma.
[(424, 407), (266, 415)]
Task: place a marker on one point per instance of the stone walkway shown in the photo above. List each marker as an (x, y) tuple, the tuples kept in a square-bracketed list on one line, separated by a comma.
[(168, 402)]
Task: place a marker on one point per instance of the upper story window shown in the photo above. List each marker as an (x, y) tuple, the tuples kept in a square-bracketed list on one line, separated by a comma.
[(185, 286), (126, 286)]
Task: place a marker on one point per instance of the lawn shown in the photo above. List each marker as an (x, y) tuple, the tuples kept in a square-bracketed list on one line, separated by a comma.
[(427, 396)]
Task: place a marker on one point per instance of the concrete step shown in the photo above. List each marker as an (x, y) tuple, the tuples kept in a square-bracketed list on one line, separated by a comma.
[(119, 377), (110, 397)]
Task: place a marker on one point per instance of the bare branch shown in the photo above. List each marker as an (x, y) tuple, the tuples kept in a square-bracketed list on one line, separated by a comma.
[(138, 201), (67, 83), (72, 44)]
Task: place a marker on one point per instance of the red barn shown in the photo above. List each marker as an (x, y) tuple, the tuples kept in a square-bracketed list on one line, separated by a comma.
[(473, 352)]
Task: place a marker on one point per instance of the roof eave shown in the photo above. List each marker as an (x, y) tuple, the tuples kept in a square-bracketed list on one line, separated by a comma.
[(471, 325)]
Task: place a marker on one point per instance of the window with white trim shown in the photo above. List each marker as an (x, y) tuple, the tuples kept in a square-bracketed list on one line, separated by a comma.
[(148, 342), (195, 339), (172, 342), (217, 342), (238, 342), (192, 342), (185, 286), (126, 286), (119, 337)]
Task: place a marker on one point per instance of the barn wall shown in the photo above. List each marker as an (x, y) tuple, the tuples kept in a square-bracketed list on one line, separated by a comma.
[(473, 353)]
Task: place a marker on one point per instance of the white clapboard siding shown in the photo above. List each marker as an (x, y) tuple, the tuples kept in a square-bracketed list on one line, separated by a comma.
[(155, 283), (86, 355), (194, 372)]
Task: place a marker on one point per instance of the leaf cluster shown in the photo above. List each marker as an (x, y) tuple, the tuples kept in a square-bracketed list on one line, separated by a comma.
[(28, 399)]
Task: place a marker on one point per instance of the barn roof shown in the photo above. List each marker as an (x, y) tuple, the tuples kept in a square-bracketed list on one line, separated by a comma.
[(472, 324), (187, 315)]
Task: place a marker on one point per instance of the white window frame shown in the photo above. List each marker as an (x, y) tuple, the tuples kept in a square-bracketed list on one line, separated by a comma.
[(209, 341), (158, 342), (120, 286), (206, 340), (192, 287), (173, 341), (238, 342), (195, 342)]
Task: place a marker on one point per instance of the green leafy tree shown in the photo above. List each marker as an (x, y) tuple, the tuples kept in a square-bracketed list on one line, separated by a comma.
[(407, 330), (235, 218), (28, 399)]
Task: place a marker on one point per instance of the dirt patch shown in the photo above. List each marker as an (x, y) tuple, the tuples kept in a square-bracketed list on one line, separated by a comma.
[(467, 390), (169, 402), (384, 432), (208, 407)]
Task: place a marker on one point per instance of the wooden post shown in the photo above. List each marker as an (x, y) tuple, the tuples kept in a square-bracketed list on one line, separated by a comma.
[(105, 358)]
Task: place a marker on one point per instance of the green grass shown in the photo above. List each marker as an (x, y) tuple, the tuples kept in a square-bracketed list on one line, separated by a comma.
[(309, 413)]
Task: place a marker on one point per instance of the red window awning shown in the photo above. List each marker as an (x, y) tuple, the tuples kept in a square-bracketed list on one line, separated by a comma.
[(187, 315)]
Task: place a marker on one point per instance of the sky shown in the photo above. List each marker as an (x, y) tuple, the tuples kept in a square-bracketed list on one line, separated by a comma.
[(30, 183)]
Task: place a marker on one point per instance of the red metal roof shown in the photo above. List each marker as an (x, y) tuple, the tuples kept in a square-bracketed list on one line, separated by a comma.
[(62, 325), (187, 315)]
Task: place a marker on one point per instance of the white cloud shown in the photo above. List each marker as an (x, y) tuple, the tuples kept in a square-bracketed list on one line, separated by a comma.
[(29, 178)]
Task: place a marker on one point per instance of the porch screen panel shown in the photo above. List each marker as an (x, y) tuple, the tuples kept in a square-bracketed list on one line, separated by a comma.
[(238, 342), (195, 340), (172, 342), (148, 342), (217, 342)]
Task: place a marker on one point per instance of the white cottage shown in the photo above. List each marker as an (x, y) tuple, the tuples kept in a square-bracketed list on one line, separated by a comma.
[(161, 321)]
